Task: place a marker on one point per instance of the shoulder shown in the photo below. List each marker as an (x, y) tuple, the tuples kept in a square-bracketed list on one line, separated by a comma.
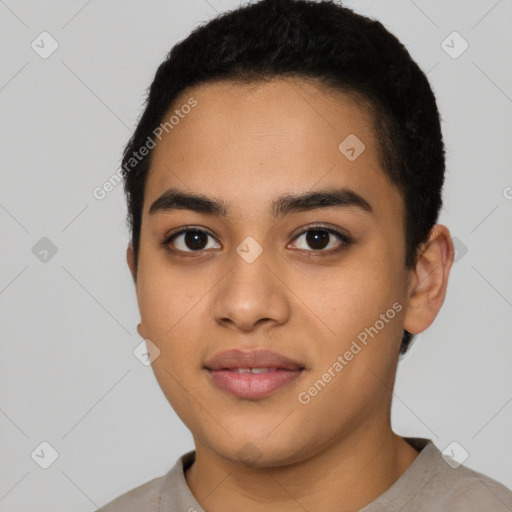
[(144, 497), (458, 488), (437, 482), (165, 492), (464, 489)]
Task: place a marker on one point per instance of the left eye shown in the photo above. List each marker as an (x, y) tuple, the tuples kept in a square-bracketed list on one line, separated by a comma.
[(320, 239)]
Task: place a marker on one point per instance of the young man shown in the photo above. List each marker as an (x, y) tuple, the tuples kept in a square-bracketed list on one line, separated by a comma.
[(283, 188)]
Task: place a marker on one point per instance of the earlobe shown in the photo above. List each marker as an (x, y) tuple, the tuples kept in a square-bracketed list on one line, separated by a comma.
[(429, 280), (140, 330), (130, 258)]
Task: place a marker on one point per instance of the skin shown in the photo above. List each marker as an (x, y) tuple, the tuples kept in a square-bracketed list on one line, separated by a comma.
[(248, 145)]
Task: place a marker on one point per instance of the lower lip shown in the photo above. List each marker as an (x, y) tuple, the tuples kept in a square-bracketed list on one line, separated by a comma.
[(252, 385)]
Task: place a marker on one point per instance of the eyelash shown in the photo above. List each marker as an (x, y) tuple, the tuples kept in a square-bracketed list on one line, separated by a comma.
[(344, 239)]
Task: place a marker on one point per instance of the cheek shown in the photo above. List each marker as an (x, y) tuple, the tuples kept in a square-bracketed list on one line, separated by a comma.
[(355, 363), (175, 305), (362, 303), (351, 297), (173, 308), (167, 295)]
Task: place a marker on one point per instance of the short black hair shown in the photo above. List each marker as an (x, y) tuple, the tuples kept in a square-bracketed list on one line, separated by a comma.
[(324, 42)]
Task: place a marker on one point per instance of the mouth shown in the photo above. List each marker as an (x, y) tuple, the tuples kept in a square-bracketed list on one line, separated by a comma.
[(252, 374), (253, 383)]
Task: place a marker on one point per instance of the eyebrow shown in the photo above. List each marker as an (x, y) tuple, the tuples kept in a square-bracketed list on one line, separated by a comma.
[(174, 199)]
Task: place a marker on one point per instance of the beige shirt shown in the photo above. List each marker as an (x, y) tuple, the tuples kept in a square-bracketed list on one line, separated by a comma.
[(429, 484)]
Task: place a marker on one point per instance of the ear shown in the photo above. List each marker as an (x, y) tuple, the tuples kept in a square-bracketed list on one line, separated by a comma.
[(130, 258), (428, 280)]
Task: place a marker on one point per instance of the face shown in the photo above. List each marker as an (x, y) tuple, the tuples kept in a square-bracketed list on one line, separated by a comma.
[(295, 245)]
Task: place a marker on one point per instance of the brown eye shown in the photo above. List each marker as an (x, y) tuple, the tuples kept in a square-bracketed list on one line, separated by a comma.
[(320, 239), (192, 240), (195, 240)]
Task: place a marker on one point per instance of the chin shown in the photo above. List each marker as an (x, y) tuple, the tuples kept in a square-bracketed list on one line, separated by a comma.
[(259, 451)]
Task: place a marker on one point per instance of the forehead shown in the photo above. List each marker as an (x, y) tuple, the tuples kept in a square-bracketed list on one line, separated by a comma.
[(250, 142)]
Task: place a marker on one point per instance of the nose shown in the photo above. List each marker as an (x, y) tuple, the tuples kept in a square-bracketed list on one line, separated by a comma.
[(251, 295)]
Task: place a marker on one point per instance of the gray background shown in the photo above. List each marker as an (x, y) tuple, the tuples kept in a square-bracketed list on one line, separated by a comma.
[(68, 375)]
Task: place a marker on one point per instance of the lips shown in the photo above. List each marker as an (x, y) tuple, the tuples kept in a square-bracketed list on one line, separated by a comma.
[(252, 374), (260, 358)]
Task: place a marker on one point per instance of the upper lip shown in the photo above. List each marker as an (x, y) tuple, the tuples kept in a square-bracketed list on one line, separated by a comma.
[(259, 358)]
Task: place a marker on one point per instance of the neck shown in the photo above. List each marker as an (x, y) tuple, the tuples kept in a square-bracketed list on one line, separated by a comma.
[(346, 476)]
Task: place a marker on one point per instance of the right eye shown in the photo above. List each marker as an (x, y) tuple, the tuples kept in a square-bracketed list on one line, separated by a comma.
[(191, 240)]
